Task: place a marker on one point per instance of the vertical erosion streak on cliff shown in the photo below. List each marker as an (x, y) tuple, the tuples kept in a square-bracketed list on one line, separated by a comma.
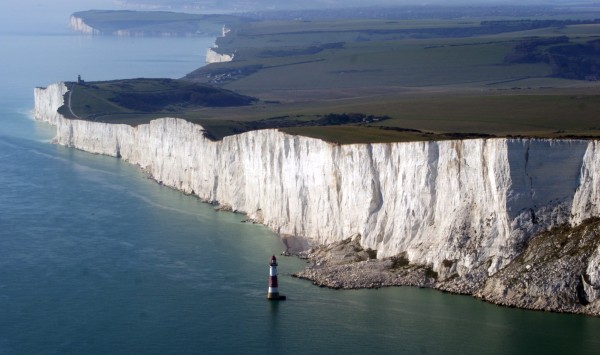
[(356, 192), (237, 173), (545, 175), (79, 25), (281, 180), (376, 196), (337, 177), (586, 202), (461, 192), (404, 182), (69, 138), (47, 101), (440, 238), (433, 157), (319, 209), (494, 220)]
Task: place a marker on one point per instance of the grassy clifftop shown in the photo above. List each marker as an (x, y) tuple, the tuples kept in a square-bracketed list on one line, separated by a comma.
[(138, 100), (432, 79), (363, 55), (392, 79)]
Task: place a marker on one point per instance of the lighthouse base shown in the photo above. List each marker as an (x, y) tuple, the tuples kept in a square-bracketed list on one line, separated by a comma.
[(275, 297)]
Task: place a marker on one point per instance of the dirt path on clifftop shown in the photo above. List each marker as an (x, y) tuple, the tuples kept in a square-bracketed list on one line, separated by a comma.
[(69, 104)]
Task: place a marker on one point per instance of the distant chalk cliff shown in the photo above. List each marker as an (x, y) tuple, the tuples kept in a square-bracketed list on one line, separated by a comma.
[(465, 209), (213, 57), (78, 24), (135, 25)]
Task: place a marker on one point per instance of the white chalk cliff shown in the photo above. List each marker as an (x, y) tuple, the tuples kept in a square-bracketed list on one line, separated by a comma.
[(47, 101), (213, 57), (79, 25), (473, 202)]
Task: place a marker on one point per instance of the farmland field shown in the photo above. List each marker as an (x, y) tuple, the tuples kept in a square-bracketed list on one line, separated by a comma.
[(429, 78)]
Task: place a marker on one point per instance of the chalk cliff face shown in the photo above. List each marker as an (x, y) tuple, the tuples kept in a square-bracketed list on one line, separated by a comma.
[(79, 25), (213, 57), (47, 101), (469, 203), (586, 202)]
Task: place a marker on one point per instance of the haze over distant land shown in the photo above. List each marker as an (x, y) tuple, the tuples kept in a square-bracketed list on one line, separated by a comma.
[(28, 16), (275, 5), (37, 16)]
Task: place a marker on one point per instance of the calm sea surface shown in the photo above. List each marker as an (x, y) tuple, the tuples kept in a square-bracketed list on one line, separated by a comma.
[(97, 259)]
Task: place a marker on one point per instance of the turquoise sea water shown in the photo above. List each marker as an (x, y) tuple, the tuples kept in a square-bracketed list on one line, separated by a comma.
[(97, 259)]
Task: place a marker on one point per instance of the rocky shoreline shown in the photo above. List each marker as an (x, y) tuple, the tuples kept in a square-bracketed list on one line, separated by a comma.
[(557, 271), (347, 265)]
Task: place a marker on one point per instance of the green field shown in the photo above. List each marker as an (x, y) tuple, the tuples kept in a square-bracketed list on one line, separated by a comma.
[(432, 79), (134, 101), (453, 116), (380, 54)]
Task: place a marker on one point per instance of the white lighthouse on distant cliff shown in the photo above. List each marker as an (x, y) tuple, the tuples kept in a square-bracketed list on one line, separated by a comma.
[(273, 293)]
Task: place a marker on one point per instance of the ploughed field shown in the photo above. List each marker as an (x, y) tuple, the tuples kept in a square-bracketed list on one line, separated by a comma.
[(366, 80)]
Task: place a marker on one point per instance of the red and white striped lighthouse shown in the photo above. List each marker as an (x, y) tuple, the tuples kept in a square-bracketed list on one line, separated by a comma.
[(273, 293)]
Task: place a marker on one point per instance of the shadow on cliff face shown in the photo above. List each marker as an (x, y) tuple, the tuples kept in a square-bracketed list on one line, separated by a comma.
[(552, 272)]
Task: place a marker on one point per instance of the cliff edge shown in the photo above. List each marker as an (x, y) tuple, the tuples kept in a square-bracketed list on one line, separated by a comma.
[(459, 212), (78, 24)]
